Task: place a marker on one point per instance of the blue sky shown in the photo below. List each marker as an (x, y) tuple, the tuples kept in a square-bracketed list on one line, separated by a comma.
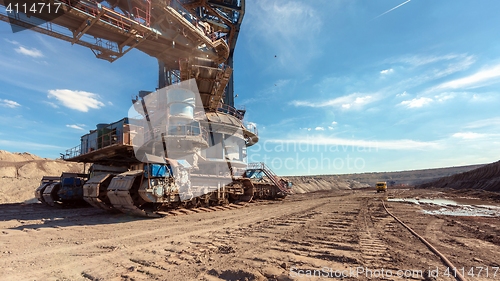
[(333, 86)]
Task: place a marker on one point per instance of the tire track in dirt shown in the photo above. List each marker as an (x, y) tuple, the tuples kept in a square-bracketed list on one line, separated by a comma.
[(268, 234), (220, 245), (103, 248), (264, 241), (307, 240), (375, 225)]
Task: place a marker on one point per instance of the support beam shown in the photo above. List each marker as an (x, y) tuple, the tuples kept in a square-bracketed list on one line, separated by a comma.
[(85, 26), (50, 32), (224, 5)]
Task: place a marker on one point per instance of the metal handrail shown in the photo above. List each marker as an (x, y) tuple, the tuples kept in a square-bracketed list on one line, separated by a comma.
[(105, 140), (252, 128), (224, 108), (110, 16), (184, 130), (270, 174)]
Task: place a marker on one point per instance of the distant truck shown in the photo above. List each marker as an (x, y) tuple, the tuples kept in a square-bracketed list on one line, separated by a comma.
[(381, 186)]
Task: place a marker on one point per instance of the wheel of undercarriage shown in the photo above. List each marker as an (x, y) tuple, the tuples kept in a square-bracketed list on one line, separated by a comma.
[(50, 194), (95, 192), (193, 203), (39, 192), (222, 201), (205, 200), (249, 190)]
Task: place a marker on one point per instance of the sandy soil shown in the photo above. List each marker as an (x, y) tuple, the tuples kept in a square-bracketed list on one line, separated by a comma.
[(279, 240), (20, 174), (305, 184)]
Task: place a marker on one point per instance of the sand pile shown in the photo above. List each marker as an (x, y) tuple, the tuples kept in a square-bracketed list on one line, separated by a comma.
[(304, 184), (6, 156), (20, 174)]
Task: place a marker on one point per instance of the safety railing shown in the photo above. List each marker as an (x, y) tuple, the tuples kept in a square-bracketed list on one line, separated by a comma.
[(224, 108), (115, 137), (110, 16), (183, 130), (255, 166), (281, 184), (72, 152), (144, 15), (252, 128)]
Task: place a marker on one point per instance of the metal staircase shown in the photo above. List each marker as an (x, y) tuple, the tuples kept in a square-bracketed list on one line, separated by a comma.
[(260, 166)]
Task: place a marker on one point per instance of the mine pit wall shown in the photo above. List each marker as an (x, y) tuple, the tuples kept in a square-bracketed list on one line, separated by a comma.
[(484, 178)]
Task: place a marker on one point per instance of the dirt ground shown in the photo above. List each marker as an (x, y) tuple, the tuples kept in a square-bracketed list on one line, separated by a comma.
[(304, 237)]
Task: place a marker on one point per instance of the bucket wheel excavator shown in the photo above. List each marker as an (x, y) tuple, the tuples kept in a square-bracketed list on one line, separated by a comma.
[(183, 145)]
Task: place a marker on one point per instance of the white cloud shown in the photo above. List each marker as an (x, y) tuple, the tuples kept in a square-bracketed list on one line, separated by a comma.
[(416, 102), (352, 101), (29, 52), (387, 71), (330, 128), (460, 63), (445, 96), (12, 41), (434, 67), (469, 135), (51, 104), (78, 100), (9, 103), (319, 129), (478, 79), (404, 94), (77, 127), (334, 123), (484, 97), (490, 122), (419, 60), (403, 144), (24, 144)]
